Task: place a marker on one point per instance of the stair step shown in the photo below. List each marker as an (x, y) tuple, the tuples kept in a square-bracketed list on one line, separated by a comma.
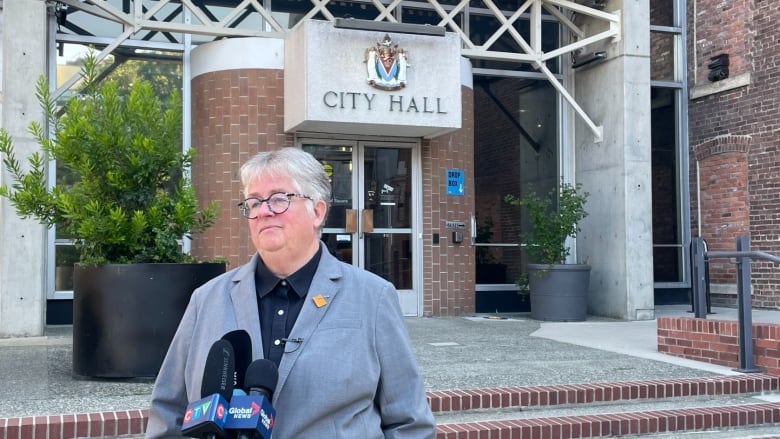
[(539, 412), (503, 397), (641, 409), (756, 432), (618, 424), (617, 407)]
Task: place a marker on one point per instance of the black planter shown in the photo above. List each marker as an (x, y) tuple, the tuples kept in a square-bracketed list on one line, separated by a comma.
[(125, 315), (559, 293)]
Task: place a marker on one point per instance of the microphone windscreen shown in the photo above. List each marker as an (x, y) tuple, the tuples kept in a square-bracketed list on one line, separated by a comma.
[(242, 349), (262, 374), (219, 370)]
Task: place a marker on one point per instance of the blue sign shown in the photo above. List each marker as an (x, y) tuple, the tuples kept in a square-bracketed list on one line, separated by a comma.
[(455, 184)]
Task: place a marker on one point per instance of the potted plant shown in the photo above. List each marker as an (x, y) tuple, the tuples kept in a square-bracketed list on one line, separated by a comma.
[(558, 290), (124, 195)]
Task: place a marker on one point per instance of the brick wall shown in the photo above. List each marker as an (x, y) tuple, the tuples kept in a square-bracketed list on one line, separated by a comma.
[(235, 114), (717, 342), (721, 27), (723, 199), (734, 131), (448, 268)]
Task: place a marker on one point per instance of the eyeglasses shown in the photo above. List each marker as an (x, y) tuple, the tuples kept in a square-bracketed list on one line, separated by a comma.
[(277, 203)]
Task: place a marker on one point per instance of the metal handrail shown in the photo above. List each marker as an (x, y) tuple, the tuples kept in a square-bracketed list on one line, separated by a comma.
[(752, 254), (743, 256)]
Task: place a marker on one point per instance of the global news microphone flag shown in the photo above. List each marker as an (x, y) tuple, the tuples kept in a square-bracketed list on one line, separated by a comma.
[(252, 416), (206, 417)]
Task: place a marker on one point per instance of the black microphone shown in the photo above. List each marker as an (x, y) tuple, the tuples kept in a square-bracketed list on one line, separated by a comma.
[(252, 416), (242, 348), (206, 417)]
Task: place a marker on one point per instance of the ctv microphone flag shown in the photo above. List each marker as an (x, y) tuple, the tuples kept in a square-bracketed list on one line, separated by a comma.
[(206, 417)]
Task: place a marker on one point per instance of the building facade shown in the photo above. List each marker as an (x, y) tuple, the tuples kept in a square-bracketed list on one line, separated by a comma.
[(734, 104), (593, 92)]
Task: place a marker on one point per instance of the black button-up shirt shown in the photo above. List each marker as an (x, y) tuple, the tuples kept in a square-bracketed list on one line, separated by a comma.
[(280, 302)]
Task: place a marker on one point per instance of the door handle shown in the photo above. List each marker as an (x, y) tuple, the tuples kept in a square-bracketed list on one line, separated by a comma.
[(368, 220), (351, 223)]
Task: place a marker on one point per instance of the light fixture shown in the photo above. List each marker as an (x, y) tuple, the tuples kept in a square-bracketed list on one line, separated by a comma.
[(595, 56), (719, 67), (61, 13), (386, 26)]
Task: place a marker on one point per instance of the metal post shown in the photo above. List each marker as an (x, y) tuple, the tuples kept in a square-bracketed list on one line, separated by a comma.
[(744, 308), (698, 284), (707, 278)]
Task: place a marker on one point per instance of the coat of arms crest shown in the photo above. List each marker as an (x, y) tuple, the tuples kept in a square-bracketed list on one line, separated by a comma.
[(386, 65)]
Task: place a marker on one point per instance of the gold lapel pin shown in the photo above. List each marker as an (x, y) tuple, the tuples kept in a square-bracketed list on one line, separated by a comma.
[(319, 300)]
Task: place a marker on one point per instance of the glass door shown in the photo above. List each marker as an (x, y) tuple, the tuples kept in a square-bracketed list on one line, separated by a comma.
[(371, 222)]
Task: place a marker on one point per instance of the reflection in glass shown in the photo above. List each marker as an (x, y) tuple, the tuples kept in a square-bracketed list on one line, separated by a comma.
[(662, 12), (662, 56), (65, 256), (339, 245), (388, 186), (337, 161), (390, 256)]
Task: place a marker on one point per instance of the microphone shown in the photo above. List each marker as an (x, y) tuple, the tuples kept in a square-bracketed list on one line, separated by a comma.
[(206, 417), (242, 348), (252, 416)]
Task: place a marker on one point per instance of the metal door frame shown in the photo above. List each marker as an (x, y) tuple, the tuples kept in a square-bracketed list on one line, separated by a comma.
[(359, 144)]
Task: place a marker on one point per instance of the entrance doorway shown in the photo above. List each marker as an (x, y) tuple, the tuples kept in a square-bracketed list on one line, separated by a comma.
[(372, 221)]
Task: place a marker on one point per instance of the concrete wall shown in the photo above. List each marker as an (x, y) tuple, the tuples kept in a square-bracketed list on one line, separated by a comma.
[(22, 242), (616, 237)]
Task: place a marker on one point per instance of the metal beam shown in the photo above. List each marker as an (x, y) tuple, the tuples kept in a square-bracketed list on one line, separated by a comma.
[(200, 21)]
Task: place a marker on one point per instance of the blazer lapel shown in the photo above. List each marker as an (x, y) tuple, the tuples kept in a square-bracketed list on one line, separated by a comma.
[(322, 292), (244, 298)]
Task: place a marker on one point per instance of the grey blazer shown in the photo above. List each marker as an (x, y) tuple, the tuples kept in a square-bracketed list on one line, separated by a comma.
[(354, 375)]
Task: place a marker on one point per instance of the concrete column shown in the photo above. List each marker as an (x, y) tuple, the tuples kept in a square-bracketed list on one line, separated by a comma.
[(22, 242), (616, 238)]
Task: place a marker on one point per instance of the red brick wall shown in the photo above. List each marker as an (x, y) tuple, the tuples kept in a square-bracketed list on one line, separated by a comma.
[(235, 114), (723, 199), (722, 27), (717, 342), (745, 121), (448, 268)]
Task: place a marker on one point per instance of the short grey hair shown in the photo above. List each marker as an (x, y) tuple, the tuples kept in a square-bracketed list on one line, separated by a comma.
[(307, 174)]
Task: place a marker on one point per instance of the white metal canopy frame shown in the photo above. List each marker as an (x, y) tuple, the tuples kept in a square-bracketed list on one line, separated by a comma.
[(137, 20)]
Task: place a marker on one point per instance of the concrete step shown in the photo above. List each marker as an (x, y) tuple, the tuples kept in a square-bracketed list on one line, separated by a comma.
[(753, 432), (624, 409), (638, 408)]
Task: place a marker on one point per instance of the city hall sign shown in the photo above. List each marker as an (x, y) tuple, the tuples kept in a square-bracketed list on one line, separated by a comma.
[(399, 85)]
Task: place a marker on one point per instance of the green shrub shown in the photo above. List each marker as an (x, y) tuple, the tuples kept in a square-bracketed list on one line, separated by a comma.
[(553, 218), (124, 192)]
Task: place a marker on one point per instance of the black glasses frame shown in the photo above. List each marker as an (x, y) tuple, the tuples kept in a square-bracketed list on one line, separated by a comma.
[(273, 203)]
